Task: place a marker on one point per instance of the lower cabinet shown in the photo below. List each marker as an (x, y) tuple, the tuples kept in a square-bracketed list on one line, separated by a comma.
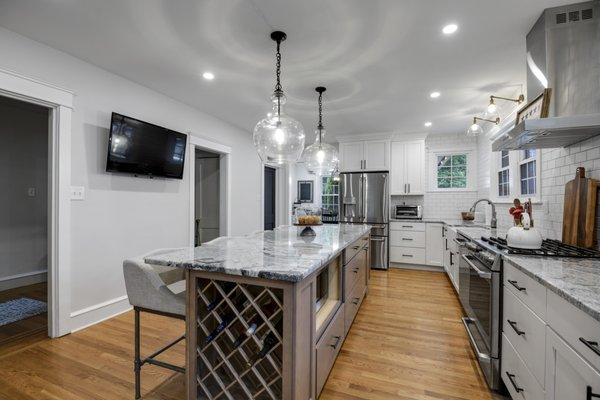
[(435, 244), (568, 376), (519, 381), (328, 347)]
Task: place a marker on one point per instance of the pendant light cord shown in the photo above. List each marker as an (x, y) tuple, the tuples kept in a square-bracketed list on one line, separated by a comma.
[(278, 87), (320, 126)]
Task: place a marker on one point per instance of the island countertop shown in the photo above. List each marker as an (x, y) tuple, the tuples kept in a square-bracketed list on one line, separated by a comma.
[(280, 254)]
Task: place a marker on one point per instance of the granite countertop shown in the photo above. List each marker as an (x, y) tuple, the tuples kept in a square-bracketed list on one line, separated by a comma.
[(447, 221), (279, 254), (574, 279)]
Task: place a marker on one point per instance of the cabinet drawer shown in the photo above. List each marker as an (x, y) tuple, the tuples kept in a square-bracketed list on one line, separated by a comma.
[(355, 271), (355, 248), (407, 226), (407, 238), (328, 348), (353, 302), (527, 333), (408, 255), (530, 292), (573, 325), (520, 382)]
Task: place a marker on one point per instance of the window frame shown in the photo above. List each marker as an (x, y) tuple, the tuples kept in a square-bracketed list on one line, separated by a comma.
[(471, 169), (335, 196), (516, 159)]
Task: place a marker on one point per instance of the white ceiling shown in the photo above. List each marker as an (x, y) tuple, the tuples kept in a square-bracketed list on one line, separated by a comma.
[(379, 59)]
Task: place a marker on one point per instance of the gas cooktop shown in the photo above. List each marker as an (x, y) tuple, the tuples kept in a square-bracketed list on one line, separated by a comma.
[(550, 248)]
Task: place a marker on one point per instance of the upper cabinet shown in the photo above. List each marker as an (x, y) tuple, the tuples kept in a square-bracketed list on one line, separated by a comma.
[(370, 155), (408, 167)]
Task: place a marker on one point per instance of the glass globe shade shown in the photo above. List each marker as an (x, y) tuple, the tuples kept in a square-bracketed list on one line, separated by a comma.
[(491, 113), (321, 158), (279, 138), (474, 130)]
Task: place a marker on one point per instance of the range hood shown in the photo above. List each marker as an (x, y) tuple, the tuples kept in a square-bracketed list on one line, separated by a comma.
[(563, 53)]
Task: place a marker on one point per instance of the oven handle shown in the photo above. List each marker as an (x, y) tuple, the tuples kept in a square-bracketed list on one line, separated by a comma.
[(461, 243), (482, 274), (480, 355)]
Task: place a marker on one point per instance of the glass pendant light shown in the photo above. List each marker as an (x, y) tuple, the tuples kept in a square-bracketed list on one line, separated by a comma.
[(476, 129), (321, 158), (279, 138)]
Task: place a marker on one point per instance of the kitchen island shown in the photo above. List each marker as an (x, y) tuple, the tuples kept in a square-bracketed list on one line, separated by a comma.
[(267, 313)]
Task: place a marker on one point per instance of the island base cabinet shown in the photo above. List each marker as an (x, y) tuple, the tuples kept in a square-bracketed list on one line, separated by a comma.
[(568, 376), (328, 348)]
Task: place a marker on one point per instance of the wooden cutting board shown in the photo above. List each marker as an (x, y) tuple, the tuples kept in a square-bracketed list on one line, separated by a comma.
[(579, 213)]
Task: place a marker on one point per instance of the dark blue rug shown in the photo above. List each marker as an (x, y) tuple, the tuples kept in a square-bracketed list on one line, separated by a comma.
[(18, 309)]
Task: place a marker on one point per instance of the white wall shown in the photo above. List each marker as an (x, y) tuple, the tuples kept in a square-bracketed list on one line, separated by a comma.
[(302, 174), (23, 218), (123, 216)]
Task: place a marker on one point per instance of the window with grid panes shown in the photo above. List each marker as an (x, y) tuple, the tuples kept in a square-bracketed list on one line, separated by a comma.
[(330, 195), (452, 171)]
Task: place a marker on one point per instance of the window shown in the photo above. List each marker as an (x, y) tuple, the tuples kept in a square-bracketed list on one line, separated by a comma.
[(527, 168), (452, 171), (330, 195), (504, 175)]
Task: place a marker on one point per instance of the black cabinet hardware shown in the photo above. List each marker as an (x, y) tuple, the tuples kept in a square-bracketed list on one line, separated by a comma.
[(590, 394), (519, 288), (446, 244), (451, 260), (337, 341), (591, 345), (355, 301), (512, 381), (513, 324), (407, 239)]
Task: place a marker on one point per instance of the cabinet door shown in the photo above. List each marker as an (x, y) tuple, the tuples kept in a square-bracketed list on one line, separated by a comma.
[(434, 245), (351, 156), (376, 155), (414, 156), (397, 172), (568, 376)]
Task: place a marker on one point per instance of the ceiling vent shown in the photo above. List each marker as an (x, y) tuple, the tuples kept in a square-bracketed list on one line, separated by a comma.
[(587, 14), (573, 16), (561, 18)]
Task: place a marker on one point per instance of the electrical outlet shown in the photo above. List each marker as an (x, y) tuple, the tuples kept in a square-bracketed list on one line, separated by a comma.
[(77, 193), (31, 192)]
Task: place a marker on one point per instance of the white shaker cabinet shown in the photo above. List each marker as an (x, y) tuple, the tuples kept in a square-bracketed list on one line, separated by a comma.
[(435, 244), (368, 155), (408, 167)]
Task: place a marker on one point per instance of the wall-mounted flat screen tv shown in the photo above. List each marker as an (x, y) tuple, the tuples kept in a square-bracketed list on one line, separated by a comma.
[(141, 148)]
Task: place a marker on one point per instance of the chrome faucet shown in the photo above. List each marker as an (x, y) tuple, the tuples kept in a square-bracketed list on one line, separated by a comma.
[(494, 221)]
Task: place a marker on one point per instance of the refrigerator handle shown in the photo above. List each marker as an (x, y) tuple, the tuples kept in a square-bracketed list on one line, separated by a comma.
[(385, 204), (364, 200)]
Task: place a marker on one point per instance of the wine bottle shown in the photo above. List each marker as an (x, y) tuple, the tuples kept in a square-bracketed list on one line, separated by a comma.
[(227, 287), (239, 301), (269, 341)]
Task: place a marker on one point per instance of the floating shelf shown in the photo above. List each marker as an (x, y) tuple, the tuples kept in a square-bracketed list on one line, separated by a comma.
[(548, 132)]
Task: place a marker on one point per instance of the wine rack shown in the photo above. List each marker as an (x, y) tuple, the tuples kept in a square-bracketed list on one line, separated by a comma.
[(239, 345)]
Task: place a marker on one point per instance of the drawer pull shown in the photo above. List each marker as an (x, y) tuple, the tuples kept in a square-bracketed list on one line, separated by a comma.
[(512, 381), (513, 324), (407, 239), (407, 226), (590, 394), (337, 342), (355, 301), (355, 247), (591, 345), (356, 270), (407, 255), (519, 288)]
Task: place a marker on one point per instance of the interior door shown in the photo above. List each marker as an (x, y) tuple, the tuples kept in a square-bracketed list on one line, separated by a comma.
[(269, 202), (376, 155), (397, 172), (414, 166), (351, 156)]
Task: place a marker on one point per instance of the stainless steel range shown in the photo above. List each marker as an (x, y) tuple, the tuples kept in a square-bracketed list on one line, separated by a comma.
[(480, 293)]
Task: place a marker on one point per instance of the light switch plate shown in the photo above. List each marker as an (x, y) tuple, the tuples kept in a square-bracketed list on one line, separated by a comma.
[(77, 193)]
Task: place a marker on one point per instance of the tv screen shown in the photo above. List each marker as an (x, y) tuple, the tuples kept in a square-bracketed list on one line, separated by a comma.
[(141, 148)]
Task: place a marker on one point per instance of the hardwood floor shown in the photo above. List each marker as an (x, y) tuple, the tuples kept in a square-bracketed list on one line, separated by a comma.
[(31, 326), (407, 343)]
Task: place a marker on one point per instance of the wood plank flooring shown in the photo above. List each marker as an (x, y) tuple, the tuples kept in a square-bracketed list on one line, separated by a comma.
[(407, 343), (29, 326)]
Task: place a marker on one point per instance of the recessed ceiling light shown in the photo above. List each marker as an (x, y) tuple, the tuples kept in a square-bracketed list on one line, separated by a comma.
[(450, 29), (209, 76), (435, 95), (427, 124)]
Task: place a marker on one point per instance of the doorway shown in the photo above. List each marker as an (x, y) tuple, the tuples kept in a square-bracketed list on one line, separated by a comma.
[(24, 219), (207, 176), (269, 198)]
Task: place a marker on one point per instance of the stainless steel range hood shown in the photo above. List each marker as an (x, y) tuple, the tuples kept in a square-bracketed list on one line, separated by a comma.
[(563, 53)]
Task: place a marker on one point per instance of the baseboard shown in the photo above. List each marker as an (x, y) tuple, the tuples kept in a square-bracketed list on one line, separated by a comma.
[(419, 267), (28, 278), (89, 316)]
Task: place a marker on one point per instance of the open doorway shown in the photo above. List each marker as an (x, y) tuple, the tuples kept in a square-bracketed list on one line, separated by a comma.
[(270, 198), (207, 176), (24, 219)]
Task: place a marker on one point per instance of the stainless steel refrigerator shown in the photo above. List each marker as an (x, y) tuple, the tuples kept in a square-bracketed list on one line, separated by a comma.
[(364, 198)]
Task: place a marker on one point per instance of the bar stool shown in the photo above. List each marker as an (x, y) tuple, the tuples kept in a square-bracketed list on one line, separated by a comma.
[(156, 290)]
